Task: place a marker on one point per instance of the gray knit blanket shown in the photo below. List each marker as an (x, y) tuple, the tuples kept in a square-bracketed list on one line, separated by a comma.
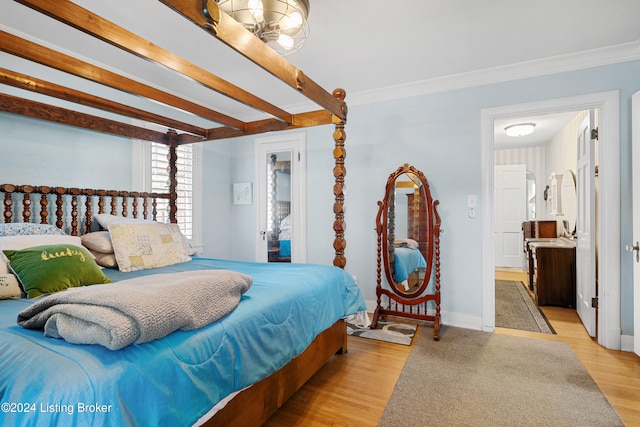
[(137, 310)]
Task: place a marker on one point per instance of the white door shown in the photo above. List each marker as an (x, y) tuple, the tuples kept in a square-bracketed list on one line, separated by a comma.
[(281, 198), (635, 114), (585, 227), (510, 195)]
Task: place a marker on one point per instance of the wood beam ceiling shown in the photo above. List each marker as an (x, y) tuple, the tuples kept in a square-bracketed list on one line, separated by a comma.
[(226, 30), (98, 27), (207, 15), (51, 89), (39, 110)]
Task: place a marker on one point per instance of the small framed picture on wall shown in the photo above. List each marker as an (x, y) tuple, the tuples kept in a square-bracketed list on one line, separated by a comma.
[(242, 194)]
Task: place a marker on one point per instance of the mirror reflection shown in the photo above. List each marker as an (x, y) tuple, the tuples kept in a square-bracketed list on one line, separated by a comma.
[(408, 227), (279, 206), (569, 202), (531, 196), (407, 246)]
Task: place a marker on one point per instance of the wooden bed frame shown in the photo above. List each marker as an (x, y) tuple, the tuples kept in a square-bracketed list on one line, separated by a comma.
[(73, 209), (256, 404)]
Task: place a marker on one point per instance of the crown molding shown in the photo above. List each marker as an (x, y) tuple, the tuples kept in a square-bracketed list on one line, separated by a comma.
[(551, 65)]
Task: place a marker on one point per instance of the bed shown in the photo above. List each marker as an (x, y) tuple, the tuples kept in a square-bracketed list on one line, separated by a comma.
[(187, 373), (235, 371), (272, 374)]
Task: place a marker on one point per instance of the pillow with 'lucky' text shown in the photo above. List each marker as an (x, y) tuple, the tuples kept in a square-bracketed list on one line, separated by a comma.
[(52, 268)]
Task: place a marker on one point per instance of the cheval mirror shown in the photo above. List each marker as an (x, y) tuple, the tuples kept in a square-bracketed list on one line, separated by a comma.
[(408, 227)]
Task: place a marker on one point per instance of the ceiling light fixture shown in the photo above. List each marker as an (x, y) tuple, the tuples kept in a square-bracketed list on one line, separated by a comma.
[(282, 24), (520, 129)]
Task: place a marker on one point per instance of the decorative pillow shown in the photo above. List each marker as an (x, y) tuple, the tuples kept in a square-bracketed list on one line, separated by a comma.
[(140, 246), (26, 228), (104, 260), (9, 287), (98, 241), (25, 241), (52, 268), (105, 220)]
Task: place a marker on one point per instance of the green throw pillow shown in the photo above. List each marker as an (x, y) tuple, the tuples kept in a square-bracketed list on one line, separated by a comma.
[(52, 268)]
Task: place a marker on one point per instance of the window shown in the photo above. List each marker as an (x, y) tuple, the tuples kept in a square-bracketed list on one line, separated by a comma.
[(185, 177)]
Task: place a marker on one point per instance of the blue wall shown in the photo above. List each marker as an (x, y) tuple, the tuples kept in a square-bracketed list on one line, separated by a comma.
[(36, 152), (440, 134), (437, 133)]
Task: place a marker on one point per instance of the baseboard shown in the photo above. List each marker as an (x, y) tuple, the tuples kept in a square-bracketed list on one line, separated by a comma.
[(459, 320), (627, 343)]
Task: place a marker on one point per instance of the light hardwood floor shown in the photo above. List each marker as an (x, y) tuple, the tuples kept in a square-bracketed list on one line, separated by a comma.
[(353, 389)]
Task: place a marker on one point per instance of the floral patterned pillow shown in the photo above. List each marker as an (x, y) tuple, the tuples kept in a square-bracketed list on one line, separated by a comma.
[(27, 228)]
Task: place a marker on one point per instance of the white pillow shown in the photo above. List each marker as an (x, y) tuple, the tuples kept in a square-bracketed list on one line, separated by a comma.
[(105, 220), (98, 241), (104, 260), (9, 287)]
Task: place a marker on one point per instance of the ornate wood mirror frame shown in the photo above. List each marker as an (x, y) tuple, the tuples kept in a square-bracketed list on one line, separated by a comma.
[(409, 262)]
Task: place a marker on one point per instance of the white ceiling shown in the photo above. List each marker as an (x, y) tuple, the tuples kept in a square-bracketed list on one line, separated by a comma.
[(373, 49), (547, 126)]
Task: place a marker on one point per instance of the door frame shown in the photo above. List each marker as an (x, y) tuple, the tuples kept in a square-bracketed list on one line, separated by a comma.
[(297, 143), (607, 211), (635, 162)]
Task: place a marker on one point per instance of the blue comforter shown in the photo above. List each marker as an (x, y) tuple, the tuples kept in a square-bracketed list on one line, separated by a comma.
[(405, 261), (175, 380)]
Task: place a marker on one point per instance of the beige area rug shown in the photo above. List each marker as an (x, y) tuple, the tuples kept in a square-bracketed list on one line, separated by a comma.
[(395, 332), (516, 309), (475, 378)]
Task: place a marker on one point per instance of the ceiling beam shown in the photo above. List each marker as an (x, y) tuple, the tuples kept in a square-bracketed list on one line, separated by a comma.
[(312, 118), (207, 15), (42, 55), (39, 110), (33, 84), (96, 26)]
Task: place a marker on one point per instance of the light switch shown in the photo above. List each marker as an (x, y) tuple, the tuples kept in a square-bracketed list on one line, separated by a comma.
[(472, 201)]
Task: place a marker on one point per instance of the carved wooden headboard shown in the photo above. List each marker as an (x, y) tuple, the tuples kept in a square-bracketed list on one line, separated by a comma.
[(73, 209)]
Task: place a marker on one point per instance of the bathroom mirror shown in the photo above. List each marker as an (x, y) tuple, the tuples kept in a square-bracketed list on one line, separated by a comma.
[(408, 227), (569, 202), (531, 196)]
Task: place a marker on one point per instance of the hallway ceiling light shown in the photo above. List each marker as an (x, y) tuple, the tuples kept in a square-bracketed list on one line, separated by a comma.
[(282, 24), (520, 129)]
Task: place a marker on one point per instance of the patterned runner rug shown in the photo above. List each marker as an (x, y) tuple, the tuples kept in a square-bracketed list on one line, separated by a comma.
[(515, 309)]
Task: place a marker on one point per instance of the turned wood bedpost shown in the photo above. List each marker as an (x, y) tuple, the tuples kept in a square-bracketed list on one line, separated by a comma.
[(172, 142), (26, 202), (88, 215), (59, 191), (44, 204), (339, 172), (134, 204), (75, 192), (8, 190)]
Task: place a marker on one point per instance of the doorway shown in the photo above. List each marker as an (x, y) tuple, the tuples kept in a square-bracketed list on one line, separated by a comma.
[(608, 208), (510, 201), (281, 234)]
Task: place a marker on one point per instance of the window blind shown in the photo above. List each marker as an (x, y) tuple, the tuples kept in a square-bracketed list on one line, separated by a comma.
[(160, 183)]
